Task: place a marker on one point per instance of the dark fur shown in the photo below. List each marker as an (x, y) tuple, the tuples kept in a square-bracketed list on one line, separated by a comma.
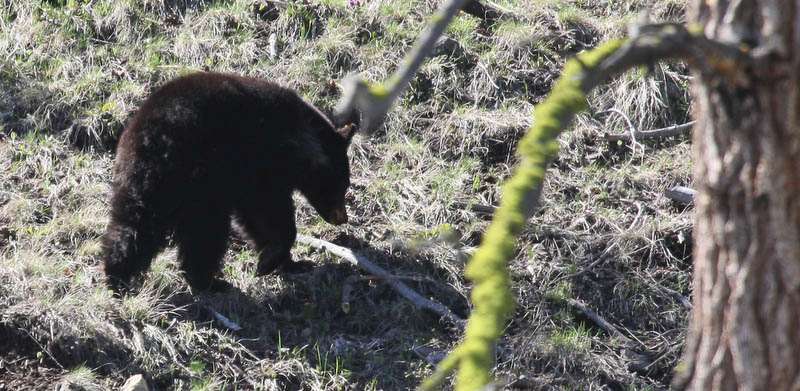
[(209, 146)]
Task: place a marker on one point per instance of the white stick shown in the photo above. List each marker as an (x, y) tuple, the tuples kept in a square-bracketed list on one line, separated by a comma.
[(364, 263), (669, 131), (225, 321)]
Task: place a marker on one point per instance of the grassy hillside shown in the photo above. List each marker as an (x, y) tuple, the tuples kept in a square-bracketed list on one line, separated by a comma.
[(73, 71)]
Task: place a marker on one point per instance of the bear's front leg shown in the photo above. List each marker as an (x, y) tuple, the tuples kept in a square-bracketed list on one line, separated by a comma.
[(129, 245), (270, 227)]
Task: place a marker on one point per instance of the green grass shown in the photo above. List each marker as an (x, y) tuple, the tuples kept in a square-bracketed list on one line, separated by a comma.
[(73, 72), (575, 339)]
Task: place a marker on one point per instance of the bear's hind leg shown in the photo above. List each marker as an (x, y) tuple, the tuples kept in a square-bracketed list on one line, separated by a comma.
[(202, 239), (269, 225)]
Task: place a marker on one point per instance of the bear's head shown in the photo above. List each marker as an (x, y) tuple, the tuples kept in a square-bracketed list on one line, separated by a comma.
[(326, 184)]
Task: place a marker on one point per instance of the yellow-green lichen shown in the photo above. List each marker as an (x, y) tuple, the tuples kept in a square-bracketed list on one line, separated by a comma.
[(491, 295), (378, 90)]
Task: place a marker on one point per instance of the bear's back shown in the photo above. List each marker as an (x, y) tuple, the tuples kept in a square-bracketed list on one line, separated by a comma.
[(218, 101), (218, 125), (204, 110)]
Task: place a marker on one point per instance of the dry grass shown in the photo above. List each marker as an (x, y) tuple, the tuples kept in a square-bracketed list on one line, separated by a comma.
[(72, 72)]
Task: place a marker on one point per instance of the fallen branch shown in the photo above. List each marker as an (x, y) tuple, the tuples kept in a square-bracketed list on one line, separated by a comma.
[(683, 300), (669, 131), (432, 356), (633, 133), (479, 209), (681, 194), (364, 263), (599, 320)]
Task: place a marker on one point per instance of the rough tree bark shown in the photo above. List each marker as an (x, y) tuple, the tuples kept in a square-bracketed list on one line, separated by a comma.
[(745, 327)]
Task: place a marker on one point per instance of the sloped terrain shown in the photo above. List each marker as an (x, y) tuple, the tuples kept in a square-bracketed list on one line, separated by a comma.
[(72, 72)]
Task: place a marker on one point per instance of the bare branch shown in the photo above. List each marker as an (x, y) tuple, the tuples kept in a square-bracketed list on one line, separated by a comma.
[(669, 131), (670, 40), (654, 43), (632, 131), (372, 102), (479, 209), (364, 263), (683, 300)]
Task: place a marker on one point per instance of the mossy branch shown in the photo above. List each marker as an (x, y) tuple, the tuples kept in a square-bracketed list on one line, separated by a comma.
[(373, 101), (491, 295)]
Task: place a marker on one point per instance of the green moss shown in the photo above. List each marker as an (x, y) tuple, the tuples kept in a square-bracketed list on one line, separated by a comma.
[(380, 91), (491, 295)]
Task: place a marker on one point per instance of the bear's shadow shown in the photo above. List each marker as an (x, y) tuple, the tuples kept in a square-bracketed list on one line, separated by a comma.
[(305, 303), (295, 310)]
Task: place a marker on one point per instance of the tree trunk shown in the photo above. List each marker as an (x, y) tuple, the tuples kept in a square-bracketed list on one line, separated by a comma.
[(745, 327)]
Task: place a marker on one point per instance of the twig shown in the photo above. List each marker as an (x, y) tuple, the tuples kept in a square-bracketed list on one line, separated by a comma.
[(638, 215), (634, 350), (364, 263), (372, 102), (229, 324), (599, 320), (600, 259), (681, 194), (669, 131), (349, 282), (480, 209), (42, 347), (273, 46), (632, 131), (685, 302)]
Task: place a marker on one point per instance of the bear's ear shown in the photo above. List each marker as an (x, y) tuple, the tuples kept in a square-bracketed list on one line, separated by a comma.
[(347, 131)]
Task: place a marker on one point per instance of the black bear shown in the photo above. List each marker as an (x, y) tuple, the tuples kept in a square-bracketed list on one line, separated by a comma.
[(208, 147)]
